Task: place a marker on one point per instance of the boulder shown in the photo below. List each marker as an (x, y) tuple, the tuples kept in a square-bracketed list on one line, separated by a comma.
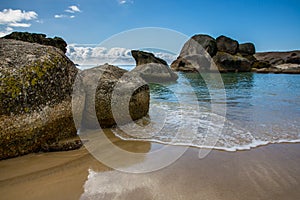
[(151, 68), (35, 97), (38, 38), (207, 42), (195, 54), (226, 44), (108, 80), (246, 49), (231, 63)]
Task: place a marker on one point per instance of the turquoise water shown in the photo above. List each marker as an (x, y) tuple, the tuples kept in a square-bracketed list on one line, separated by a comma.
[(260, 109)]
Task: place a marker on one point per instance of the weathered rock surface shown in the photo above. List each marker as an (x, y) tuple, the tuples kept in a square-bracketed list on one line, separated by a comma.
[(151, 68), (277, 58), (246, 49), (130, 91), (35, 93), (231, 63), (207, 42), (277, 62), (227, 44), (287, 68), (38, 38)]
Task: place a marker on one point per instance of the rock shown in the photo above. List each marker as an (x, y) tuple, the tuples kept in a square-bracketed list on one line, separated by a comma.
[(246, 49), (195, 54), (195, 63), (151, 68), (260, 65), (226, 44), (62, 146), (38, 38), (36, 83), (278, 62), (231, 63), (207, 42), (111, 80), (277, 58)]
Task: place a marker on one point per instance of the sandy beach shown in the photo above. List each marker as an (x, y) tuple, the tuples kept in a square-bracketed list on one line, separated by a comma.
[(267, 172)]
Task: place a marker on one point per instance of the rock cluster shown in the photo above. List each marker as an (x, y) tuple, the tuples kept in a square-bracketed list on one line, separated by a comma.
[(226, 53), (37, 84)]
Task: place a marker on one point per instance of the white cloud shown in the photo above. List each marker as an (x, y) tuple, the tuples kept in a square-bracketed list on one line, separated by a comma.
[(73, 9), (7, 31), (93, 55), (24, 25), (14, 18), (125, 1), (64, 16)]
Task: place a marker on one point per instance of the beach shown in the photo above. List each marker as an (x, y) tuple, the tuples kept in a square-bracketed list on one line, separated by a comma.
[(266, 172)]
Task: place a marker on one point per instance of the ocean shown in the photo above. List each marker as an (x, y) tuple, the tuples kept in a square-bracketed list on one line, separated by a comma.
[(259, 109)]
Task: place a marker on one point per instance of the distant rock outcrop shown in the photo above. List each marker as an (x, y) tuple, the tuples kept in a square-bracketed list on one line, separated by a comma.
[(151, 68), (225, 52), (277, 62), (111, 80), (35, 93), (38, 38)]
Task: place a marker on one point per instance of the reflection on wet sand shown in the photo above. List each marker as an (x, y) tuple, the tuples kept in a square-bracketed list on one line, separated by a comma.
[(269, 172)]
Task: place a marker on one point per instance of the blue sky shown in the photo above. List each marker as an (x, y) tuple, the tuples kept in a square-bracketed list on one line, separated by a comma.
[(270, 24)]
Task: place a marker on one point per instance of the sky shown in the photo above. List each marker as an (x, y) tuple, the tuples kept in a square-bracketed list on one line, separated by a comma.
[(272, 25)]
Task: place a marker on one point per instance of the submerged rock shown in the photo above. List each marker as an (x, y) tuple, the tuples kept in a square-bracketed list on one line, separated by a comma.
[(131, 95), (38, 38), (35, 97), (151, 68)]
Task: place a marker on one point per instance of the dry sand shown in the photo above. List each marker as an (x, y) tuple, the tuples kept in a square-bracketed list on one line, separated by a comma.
[(268, 172)]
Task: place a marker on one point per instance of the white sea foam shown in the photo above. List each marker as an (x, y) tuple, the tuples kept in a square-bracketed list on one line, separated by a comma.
[(165, 121)]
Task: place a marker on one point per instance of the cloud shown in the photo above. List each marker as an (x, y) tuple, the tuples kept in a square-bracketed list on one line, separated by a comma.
[(125, 1), (93, 55), (10, 17), (24, 25), (7, 31), (73, 9)]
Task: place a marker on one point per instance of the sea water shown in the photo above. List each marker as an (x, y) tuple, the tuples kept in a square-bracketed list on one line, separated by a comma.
[(260, 109)]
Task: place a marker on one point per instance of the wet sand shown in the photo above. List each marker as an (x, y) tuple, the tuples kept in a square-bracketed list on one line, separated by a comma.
[(267, 172)]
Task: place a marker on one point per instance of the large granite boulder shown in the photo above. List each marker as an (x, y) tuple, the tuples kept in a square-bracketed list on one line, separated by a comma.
[(207, 42), (131, 94), (246, 49), (231, 63), (226, 44), (38, 38), (195, 54), (35, 93), (151, 68)]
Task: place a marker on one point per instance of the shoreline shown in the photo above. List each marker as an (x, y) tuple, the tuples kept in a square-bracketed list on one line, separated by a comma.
[(266, 172)]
